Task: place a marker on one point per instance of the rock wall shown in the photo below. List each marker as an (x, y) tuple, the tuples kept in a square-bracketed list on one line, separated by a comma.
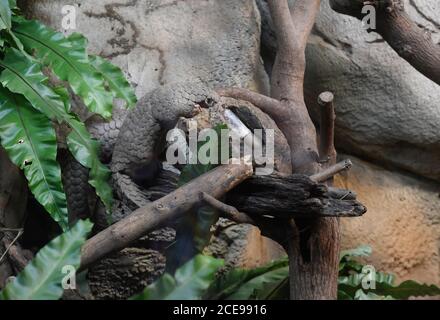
[(386, 110), (402, 224), (161, 41)]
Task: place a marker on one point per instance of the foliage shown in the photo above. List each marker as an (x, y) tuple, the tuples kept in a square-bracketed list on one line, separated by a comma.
[(28, 52), (351, 277), (261, 283), (189, 282), (30, 141), (42, 277), (271, 282)]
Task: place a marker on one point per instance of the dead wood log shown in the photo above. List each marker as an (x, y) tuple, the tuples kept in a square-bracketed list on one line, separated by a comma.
[(146, 219), (294, 196)]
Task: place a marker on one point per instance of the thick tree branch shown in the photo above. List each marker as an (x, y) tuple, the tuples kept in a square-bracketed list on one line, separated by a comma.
[(292, 31), (146, 219), (313, 254), (288, 80), (312, 243), (410, 41), (264, 103)]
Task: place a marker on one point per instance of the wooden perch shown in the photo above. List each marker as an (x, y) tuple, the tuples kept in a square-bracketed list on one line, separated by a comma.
[(328, 173), (146, 219), (409, 40), (294, 196), (327, 151)]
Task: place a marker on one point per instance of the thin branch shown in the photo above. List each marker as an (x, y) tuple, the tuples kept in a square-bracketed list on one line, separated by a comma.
[(20, 232), (341, 194), (332, 171), (10, 229), (228, 211), (327, 150)]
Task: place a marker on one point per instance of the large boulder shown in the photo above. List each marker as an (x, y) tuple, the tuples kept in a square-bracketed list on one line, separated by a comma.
[(402, 224)]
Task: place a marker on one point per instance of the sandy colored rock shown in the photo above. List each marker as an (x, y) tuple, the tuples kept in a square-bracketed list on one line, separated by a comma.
[(402, 224)]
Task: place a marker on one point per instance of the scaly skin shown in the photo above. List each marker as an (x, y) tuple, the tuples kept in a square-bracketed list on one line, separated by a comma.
[(76, 177), (131, 142), (137, 146), (106, 132)]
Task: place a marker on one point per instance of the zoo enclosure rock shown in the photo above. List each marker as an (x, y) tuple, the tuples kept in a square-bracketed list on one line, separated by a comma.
[(402, 224), (161, 41)]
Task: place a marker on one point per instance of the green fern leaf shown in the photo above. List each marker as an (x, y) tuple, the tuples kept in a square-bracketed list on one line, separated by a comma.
[(42, 277), (115, 79), (68, 59), (189, 282), (30, 141), (25, 77), (5, 15)]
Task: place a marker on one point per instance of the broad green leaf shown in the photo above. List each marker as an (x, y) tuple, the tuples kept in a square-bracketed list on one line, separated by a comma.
[(342, 295), (86, 151), (361, 251), (12, 4), (5, 15), (351, 283), (385, 287), (30, 141), (361, 295), (348, 266), (68, 59), (229, 285), (406, 289), (6, 22), (42, 277), (192, 171), (25, 77), (115, 79), (189, 282), (263, 286)]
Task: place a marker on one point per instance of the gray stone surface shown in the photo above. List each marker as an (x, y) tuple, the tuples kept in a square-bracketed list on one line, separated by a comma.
[(386, 110), (161, 41)]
